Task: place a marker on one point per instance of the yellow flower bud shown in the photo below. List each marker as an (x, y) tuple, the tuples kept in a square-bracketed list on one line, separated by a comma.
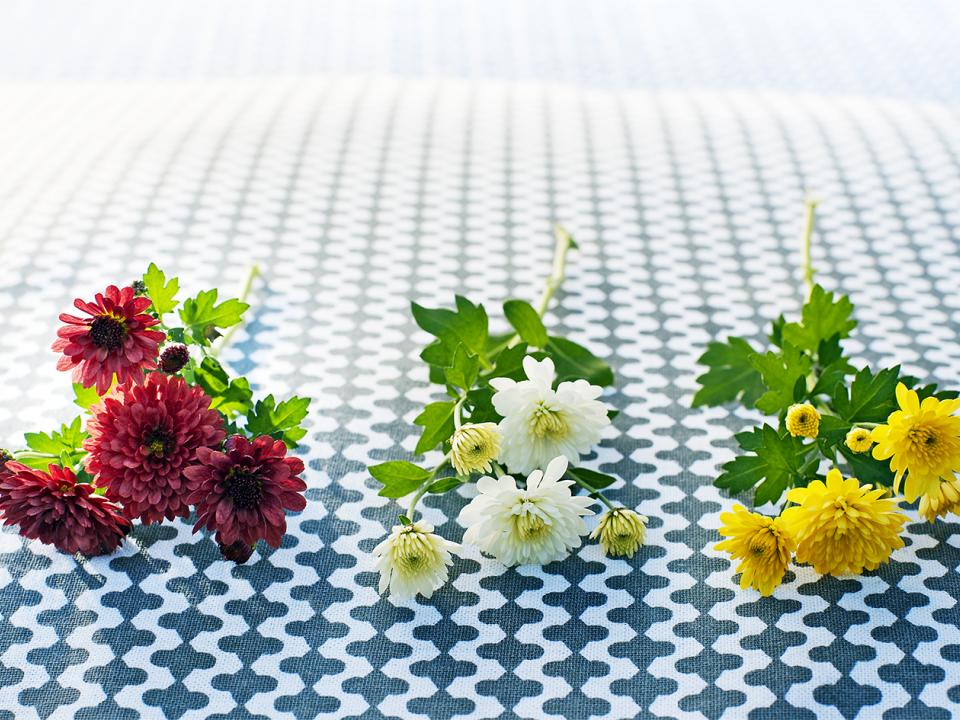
[(858, 440), (803, 421), (474, 446), (621, 532)]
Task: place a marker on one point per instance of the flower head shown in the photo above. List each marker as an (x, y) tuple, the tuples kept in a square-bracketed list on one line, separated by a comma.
[(621, 532), (173, 358), (842, 526), (54, 508), (413, 559), (921, 440), (527, 526), (803, 420), (859, 440), (942, 501), (115, 339), (762, 545), (144, 437), (242, 492), (474, 446), (540, 423)]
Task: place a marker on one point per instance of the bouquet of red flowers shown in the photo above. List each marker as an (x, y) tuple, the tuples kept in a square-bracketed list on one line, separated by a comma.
[(167, 430)]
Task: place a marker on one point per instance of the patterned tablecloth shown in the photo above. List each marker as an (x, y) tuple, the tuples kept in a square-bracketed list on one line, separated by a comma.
[(358, 194)]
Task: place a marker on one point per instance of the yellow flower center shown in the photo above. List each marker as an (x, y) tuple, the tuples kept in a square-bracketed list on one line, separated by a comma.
[(548, 422), (411, 553), (530, 525), (925, 441), (763, 544)]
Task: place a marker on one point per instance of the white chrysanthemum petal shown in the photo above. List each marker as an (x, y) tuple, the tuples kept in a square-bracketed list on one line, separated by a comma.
[(412, 560)]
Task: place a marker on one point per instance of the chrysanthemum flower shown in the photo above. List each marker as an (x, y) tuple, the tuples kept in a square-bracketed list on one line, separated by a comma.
[(54, 508), (115, 339), (474, 446), (803, 420), (173, 358), (540, 423), (242, 492), (531, 526), (943, 501), (762, 545), (413, 559), (842, 526), (859, 440), (922, 440), (142, 439), (621, 532)]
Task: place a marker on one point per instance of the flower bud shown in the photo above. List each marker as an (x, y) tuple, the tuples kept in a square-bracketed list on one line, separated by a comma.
[(621, 532), (173, 358), (803, 420), (859, 440), (238, 551), (413, 560), (474, 446)]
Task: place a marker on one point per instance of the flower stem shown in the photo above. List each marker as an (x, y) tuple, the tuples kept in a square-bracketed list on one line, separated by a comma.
[(810, 207), (592, 490), (426, 484), (252, 275)]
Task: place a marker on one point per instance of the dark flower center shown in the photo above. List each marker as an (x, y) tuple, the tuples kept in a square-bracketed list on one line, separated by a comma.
[(158, 442), (108, 332), (244, 487)]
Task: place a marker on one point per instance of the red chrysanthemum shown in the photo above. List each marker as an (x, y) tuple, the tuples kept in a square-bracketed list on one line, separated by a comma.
[(114, 339), (143, 437), (54, 508), (242, 493)]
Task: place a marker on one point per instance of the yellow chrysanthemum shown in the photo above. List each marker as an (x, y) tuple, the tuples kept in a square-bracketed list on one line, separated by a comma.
[(945, 500), (842, 526), (474, 447), (858, 440), (803, 420), (760, 543), (621, 532), (921, 440)]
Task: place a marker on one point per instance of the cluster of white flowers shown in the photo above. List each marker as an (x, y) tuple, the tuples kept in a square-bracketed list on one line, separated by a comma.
[(538, 521)]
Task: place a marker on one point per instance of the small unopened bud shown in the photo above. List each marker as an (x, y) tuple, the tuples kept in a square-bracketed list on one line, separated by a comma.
[(803, 421), (139, 288), (621, 532), (173, 358), (859, 440), (474, 446), (239, 551)]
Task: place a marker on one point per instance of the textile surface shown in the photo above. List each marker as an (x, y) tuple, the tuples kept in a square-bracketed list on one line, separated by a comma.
[(359, 193)]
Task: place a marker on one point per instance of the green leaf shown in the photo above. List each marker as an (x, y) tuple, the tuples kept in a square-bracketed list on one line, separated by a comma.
[(750, 440), (85, 398), (833, 429), (741, 473), (871, 398), (463, 369), (467, 325), (399, 477), (781, 373), (437, 422), (591, 478), (526, 322), (479, 405), (281, 422), (731, 374), (231, 397), (161, 292), (63, 447), (776, 460), (509, 363), (574, 361), (867, 469), (821, 318), (202, 313), (444, 485), (776, 331)]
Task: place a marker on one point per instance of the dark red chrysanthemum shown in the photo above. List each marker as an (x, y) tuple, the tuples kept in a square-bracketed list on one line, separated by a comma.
[(114, 339), (173, 358), (239, 551), (143, 437), (242, 493), (54, 508)]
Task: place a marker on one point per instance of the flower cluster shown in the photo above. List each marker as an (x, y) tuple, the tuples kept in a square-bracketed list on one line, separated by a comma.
[(886, 428), (167, 431), (523, 408)]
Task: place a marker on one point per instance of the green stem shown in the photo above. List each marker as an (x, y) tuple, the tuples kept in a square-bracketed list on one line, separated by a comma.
[(411, 509), (457, 409), (252, 275), (592, 491), (810, 207)]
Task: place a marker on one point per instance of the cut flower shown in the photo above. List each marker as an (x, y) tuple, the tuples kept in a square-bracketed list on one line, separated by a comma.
[(474, 447), (762, 545), (413, 559), (621, 532)]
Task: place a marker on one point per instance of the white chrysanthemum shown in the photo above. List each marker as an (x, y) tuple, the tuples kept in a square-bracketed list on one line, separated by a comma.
[(413, 560), (534, 526), (540, 423)]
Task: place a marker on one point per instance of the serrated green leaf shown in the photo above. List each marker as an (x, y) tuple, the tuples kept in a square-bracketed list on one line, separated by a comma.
[(574, 361), (509, 363), (526, 322), (463, 369), (776, 460), (751, 439), (833, 429), (444, 485), (776, 331), (61, 447), (161, 293), (479, 405), (467, 325), (781, 372), (731, 374), (591, 478), (871, 398), (231, 397), (398, 477), (85, 398), (281, 422), (437, 422), (202, 313), (867, 469), (821, 318)]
